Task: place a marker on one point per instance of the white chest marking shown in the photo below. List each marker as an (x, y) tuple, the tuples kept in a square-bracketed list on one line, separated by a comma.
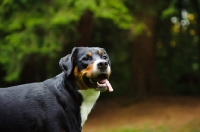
[(89, 98)]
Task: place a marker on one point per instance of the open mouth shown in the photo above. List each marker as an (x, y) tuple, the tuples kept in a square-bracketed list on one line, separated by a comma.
[(99, 83)]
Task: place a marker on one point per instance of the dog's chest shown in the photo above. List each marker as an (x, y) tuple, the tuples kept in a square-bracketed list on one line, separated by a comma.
[(89, 98)]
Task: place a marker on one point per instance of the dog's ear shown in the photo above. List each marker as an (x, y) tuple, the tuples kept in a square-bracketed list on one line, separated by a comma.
[(66, 63)]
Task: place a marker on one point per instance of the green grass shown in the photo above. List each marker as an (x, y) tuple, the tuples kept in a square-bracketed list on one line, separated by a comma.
[(193, 126), (145, 129)]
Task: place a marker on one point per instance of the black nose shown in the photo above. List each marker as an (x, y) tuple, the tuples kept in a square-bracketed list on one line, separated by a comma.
[(102, 65)]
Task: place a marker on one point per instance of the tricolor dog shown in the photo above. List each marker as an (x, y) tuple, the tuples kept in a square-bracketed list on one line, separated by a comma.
[(59, 104)]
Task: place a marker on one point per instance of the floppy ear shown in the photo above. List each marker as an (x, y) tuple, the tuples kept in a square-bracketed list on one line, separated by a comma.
[(66, 63)]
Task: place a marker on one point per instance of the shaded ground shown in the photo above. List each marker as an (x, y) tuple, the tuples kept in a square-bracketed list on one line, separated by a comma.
[(176, 113)]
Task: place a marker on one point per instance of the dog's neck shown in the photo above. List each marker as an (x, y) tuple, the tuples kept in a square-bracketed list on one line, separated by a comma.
[(89, 98)]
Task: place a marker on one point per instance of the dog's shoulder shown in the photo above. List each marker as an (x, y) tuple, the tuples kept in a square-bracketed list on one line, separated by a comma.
[(64, 88)]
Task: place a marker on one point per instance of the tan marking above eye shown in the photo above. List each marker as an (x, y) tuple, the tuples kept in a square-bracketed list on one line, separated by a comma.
[(89, 53), (100, 52)]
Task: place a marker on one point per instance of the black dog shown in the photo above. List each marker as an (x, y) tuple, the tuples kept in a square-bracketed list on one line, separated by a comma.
[(59, 104)]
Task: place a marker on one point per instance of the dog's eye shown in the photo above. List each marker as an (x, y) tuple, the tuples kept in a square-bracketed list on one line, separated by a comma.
[(86, 58), (105, 57)]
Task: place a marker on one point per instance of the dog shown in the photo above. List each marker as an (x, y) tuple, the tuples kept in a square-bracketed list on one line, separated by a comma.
[(62, 103)]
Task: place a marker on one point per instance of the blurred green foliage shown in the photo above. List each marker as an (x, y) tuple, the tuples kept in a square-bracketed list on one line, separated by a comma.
[(177, 53), (38, 33), (44, 28)]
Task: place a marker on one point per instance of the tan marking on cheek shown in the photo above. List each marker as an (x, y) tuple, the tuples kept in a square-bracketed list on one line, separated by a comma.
[(89, 53), (79, 76), (88, 71), (76, 73), (100, 52), (79, 80)]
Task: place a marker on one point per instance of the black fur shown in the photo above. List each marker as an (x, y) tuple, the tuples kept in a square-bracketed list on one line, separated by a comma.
[(49, 106)]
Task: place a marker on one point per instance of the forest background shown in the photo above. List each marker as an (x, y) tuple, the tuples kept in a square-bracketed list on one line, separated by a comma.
[(153, 45)]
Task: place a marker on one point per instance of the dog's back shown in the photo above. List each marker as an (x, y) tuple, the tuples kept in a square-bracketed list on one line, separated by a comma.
[(40, 107)]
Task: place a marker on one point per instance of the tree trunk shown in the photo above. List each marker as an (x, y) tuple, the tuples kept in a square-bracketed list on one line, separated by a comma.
[(144, 78), (85, 28)]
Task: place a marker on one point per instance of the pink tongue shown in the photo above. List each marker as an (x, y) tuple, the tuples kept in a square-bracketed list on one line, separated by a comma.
[(110, 89)]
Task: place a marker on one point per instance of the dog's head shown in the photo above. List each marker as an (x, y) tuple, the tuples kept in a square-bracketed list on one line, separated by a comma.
[(90, 66)]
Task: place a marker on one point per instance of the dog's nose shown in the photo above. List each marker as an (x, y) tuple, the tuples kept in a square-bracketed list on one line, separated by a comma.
[(102, 65)]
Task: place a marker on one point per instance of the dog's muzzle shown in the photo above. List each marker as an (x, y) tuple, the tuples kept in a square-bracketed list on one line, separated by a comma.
[(99, 76)]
